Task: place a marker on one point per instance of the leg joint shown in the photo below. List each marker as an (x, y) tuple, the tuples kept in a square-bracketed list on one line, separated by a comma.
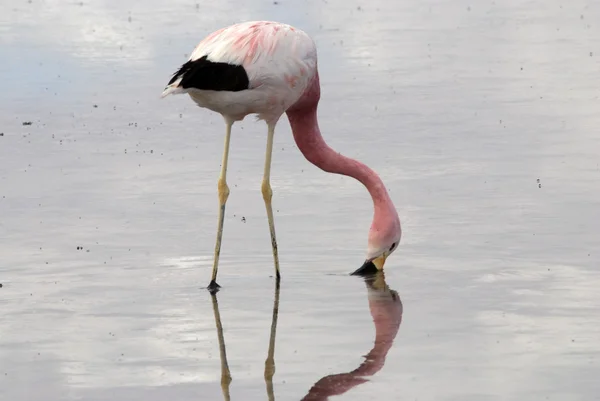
[(223, 191), (266, 191)]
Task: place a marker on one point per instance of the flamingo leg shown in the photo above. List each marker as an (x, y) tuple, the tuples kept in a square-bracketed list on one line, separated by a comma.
[(270, 361), (268, 195), (225, 373), (223, 195)]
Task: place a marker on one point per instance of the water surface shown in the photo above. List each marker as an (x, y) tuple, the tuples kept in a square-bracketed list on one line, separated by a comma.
[(481, 119)]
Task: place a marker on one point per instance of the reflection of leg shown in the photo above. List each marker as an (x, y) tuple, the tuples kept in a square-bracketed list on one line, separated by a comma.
[(223, 195), (270, 362), (268, 195), (225, 374)]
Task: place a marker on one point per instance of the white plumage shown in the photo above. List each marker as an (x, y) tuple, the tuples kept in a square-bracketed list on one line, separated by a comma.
[(279, 60)]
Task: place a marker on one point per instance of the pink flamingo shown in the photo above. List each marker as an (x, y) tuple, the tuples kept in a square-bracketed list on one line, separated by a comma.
[(269, 68)]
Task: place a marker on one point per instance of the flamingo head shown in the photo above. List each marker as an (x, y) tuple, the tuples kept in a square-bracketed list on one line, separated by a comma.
[(384, 239)]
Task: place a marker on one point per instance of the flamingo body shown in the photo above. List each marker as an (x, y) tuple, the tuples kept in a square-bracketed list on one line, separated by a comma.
[(257, 67)]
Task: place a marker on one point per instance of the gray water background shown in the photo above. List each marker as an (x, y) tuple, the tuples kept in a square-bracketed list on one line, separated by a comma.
[(481, 118)]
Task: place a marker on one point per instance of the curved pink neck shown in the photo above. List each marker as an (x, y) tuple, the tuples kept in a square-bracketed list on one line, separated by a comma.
[(307, 135)]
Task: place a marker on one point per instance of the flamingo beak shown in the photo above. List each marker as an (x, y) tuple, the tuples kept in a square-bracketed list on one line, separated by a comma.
[(379, 262), (371, 266)]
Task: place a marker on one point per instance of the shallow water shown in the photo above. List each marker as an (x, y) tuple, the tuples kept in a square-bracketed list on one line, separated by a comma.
[(481, 119)]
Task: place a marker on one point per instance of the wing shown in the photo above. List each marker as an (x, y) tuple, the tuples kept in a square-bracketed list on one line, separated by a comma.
[(205, 74), (266, 50), (247, 56)]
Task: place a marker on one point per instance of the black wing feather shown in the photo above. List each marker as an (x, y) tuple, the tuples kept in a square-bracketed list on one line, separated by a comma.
[(210, 75)]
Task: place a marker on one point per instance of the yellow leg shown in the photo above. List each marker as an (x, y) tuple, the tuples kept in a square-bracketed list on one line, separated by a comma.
[(223, 195), (268, 195), (270, 361), (225, 374)]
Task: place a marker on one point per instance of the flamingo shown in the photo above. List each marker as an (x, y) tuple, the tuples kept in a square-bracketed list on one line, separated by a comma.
[(268, 69)]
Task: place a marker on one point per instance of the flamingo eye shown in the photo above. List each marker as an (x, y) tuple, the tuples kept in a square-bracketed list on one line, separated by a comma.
[(392, 247)]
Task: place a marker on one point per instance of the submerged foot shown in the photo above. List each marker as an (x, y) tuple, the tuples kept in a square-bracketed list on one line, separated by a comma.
[(213, 287)]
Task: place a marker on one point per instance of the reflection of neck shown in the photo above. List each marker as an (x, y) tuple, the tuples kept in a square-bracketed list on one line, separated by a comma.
[(386, 310)]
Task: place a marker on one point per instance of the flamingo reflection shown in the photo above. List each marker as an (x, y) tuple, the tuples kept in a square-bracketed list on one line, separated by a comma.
[(386, 309), (270, 361)]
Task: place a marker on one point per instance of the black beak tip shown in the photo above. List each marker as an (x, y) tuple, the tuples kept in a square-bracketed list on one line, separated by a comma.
[(367, 269)]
